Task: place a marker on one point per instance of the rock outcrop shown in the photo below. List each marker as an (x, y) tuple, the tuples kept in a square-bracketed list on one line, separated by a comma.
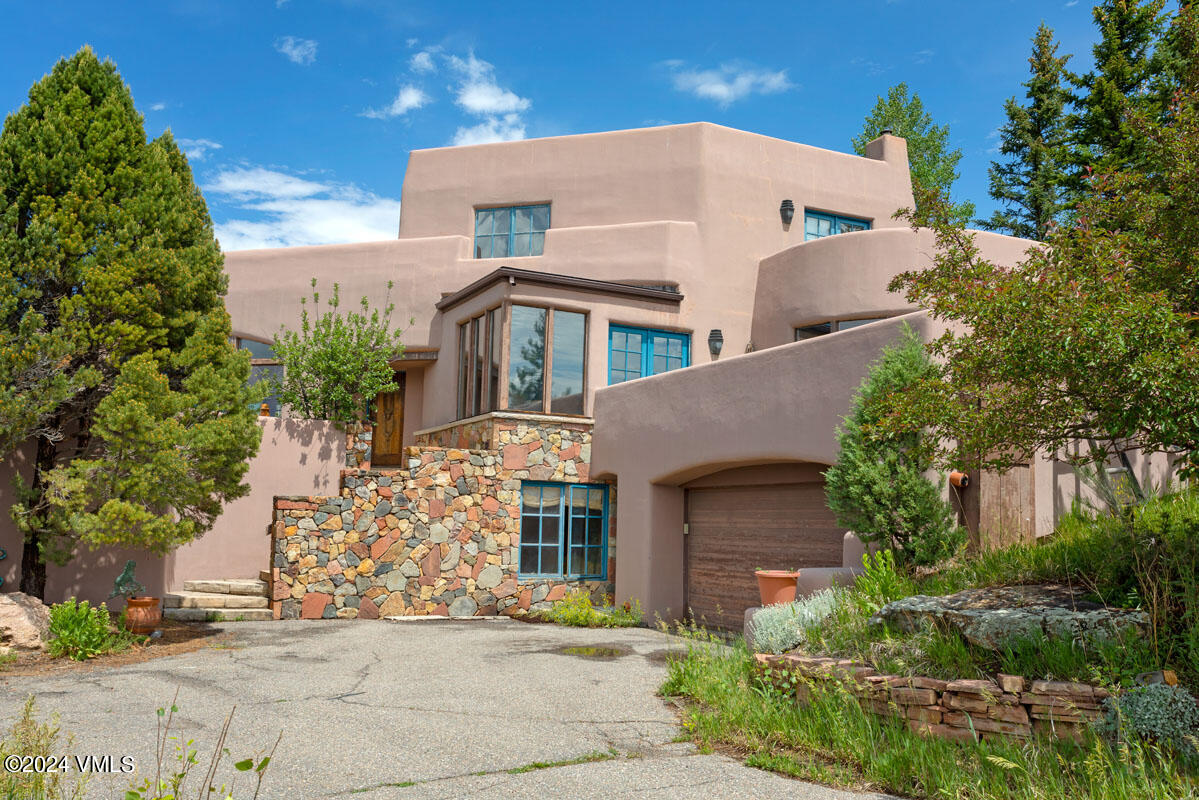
[(24, 622), (992, 617)]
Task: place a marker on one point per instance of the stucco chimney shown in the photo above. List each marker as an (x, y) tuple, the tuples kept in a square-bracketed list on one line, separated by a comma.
[(888, 147)]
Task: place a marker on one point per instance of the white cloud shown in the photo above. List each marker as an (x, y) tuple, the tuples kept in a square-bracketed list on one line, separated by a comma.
[(408, 98), (924, 56), (993, 142), (478, 93), (422, 62), (284, 210), (280, 3), (494, 129), (871, 67), (197, 149), (728, 83), (157, 106), (299, 51)]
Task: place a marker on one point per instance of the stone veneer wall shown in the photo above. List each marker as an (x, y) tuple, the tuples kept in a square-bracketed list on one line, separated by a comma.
[(358, 445), (440, 537), (965, 710)]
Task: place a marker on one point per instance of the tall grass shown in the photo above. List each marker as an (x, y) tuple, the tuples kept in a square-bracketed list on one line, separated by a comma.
[(1144, 557), (832, 740)]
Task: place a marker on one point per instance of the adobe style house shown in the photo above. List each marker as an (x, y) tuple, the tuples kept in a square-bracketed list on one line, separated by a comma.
[(642, 337)]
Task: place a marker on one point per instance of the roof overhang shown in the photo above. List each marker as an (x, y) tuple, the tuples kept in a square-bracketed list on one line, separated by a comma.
[(514, 276)]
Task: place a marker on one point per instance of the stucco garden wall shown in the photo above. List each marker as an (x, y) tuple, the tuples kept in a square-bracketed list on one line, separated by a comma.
[(441, 536), (295, 455)]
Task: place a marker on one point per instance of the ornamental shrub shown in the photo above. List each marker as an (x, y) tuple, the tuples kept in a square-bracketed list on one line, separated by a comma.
[(335, 364), (1158, 713), (779, 628), (79, 631), (878, 487)]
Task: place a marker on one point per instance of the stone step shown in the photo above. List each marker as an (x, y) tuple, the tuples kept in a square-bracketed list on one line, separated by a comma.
[(213, 600), (218, 614), (251, 586)]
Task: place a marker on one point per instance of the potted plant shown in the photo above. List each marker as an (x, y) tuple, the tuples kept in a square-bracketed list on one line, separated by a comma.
[(776, 585), (142, 613)]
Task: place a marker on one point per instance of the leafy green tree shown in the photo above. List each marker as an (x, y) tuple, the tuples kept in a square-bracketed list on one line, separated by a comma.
[(933, 164), (878, 487), (336, 364), (1031, 181), (115, 354), (1131, 74), (1093, 337)]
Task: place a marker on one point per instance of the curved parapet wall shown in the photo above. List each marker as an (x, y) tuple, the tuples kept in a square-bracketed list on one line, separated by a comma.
[(846, 277)]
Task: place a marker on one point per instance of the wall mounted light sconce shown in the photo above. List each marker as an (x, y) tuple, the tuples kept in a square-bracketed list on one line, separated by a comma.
[(787, 211), (959, 480), (715, 342)]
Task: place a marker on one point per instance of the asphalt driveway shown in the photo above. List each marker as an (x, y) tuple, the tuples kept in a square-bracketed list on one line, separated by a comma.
[(408, 710)]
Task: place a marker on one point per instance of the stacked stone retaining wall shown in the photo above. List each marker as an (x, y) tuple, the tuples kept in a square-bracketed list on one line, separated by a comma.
[(964, 710)]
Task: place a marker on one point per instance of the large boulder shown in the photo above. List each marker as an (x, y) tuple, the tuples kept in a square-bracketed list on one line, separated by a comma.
[(991, 617), (24, 622)]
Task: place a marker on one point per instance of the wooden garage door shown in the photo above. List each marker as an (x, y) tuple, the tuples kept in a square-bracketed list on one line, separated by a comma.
[(735, 529)]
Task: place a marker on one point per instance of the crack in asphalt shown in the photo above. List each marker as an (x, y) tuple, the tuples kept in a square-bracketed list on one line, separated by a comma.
[(505, 774)]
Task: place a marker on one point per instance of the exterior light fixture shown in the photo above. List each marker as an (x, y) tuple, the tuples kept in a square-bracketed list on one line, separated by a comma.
[(715, 342), (787, 211), (959, 480), (886, 132)]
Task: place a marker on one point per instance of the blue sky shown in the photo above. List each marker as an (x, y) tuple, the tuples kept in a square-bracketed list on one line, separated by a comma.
[(298, 115)]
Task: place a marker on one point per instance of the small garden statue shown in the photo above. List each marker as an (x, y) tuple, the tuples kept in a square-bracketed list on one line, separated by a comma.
[(126, 585)]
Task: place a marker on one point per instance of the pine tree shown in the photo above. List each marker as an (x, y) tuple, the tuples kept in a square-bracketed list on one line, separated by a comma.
[(878, 487), (1031, 182), (1131, 72), (933, 164), (115, 358)]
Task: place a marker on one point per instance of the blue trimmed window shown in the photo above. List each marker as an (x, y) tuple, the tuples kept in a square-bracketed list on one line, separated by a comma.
[(512, 231), (264, 367), (817, 225), (563, 530), (637, 352)]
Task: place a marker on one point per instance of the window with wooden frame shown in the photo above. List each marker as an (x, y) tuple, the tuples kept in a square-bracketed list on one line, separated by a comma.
[(479, 342), (264, 365), (522, 358)]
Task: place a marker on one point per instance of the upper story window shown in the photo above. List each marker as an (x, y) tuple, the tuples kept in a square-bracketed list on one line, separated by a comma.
[(511, 231), (812, 331), (563, 530), (637, 352), (817, 225), (546, 361), (536, 382), (264, 365), (479, 346)]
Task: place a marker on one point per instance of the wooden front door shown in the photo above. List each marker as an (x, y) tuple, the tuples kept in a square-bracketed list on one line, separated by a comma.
[(388, 438)]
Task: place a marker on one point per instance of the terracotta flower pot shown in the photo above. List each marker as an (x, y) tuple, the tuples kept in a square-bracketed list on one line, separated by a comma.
[(142, 614), (776, 585)]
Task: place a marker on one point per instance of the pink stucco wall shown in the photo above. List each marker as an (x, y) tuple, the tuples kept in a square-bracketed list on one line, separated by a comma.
[(773, 406), (846, 276), (696, 205), (295, 456)]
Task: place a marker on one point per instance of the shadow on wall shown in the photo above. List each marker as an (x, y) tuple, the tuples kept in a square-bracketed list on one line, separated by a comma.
[(296, 456), (299, 435)]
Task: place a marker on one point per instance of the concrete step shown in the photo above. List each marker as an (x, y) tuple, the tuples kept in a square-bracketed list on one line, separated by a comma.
[(217, 614), (248, 586), (213, 600)]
